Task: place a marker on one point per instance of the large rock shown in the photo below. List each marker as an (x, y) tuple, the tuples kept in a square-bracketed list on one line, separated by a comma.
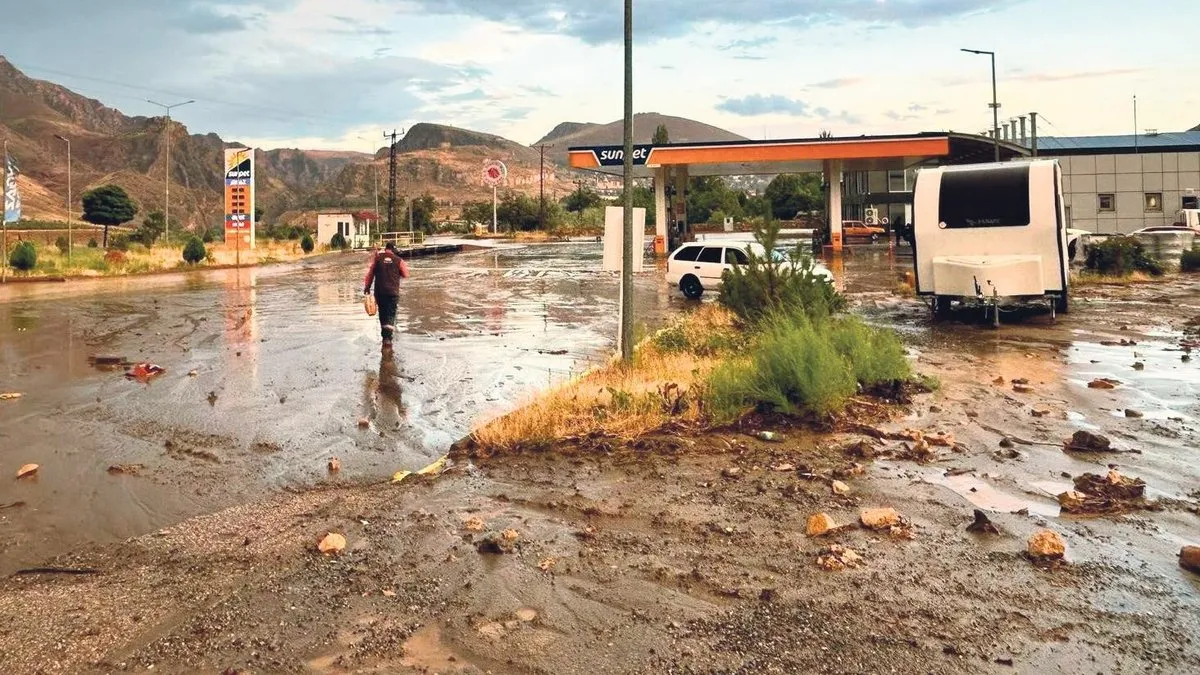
[(1047, 545), (819, 524), (1189, 558), (879, 519), (1086, 441)]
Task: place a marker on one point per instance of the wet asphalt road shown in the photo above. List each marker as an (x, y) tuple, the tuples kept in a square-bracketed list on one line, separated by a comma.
[(286, 365)]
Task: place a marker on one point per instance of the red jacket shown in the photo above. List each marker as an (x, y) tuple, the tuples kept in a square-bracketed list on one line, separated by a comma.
[(385, 270)]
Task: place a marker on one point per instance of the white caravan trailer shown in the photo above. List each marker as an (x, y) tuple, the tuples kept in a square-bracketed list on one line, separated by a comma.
[(987, 233)]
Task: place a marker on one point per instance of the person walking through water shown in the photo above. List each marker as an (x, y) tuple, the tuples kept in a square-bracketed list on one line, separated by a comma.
[(385, 271)]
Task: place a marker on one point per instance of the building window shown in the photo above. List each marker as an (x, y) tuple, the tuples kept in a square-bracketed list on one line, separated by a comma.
[(1154, 202), (1108, 203), (896, 181)]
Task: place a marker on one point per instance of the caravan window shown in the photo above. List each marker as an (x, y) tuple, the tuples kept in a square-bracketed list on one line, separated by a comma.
[(985, 198)]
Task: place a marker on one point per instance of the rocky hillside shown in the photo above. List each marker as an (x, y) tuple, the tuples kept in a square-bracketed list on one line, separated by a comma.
[(680, 130)]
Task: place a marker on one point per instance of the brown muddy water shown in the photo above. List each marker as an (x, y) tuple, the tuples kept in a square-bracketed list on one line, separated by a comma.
[(286, 364)]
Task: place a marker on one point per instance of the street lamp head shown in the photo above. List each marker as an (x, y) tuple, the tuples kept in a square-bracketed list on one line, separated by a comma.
[(64, 139), (978, 51)]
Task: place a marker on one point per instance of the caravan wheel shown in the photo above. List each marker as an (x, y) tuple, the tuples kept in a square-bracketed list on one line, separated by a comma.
[(1062, 303), (941, 306)]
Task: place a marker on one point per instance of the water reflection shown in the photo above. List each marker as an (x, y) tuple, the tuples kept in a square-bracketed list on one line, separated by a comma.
[(383, 394)]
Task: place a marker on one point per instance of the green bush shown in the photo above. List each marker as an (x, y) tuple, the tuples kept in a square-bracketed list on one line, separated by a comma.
[(62, 244), (24, 256), (1121, 256), (209, 236), (92, 243), (763, 287), (119, 242), (1190, 262), (194, 251), (338, 241), (306, 244), (800, 364)]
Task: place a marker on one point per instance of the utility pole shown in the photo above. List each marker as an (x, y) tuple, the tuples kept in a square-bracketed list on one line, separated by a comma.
[(391, 180), (1136, 149), (626, 336), (167, 199), (70, 237), (995, 103), (542, 187)]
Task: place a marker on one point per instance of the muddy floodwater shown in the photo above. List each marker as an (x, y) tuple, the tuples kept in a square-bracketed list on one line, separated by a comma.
[(268, 374)]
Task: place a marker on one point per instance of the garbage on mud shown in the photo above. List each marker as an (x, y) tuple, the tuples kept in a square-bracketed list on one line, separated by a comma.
[(1046, 545), (332, 543), (1189, 558), (335, 465), (498, 543), (1104, 494), (27, 470), (835, 557), (1086, 441), (10, 396), (144, 372), (769, 436), (982, 524), (1134, 414), (126, 469)]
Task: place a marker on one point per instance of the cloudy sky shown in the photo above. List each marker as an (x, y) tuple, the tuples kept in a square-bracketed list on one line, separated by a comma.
[(336, 73)]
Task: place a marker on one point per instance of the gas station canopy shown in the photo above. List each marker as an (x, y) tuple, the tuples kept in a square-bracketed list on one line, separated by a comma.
[(800, 155)]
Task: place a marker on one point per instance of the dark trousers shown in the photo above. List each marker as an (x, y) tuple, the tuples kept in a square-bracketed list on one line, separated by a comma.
[(387, 314)]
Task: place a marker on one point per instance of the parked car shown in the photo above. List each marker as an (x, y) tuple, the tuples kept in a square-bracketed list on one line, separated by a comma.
[(859, 229), (1165, 228), (699, 266)]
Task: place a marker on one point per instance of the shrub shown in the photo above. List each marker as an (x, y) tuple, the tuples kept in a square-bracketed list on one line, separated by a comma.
[(801, 364), (338, 241), (765, 286), (62, 244), (1190, 262), (209, 236), (92, 243), (119, 242), (115, 258), (1121, 256), (194, 251), (306, 243), (24, 256)]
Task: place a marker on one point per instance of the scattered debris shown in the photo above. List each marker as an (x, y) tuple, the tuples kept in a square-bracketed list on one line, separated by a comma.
[(332, 543), (498, 543), (126, 469), (474, 524), (387, 592), (860, 449), (1189, 558), (363, 422), (1103, 383), (933, 409), (1136, 414), (10, 396), (27, 470), (941, 439), (999, 381), (1022, 389), (1046, 545), (1020, 380), (335, 465), (547, 564), (193, 373), (107, 360), (12, 505), (836, 557), (820, 524), (1006, 442), (731, 472), (212, 398), (1104, 494), (879, 519), (1086, 441), (144, 372), (839, 488), (982, 524), (1041, 412), (1138, 365), (769, 436), (784, 467)]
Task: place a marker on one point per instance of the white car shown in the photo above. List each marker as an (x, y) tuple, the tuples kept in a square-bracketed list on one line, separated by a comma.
[(698, 267)]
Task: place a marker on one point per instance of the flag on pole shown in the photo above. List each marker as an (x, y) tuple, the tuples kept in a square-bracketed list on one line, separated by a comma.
[(12, 197)]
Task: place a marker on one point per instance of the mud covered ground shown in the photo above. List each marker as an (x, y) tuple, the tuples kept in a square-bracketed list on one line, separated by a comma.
[(687, 553)]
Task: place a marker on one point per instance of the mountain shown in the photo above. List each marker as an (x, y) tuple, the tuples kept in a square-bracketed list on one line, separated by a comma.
[(680, 130), (1196, 128)]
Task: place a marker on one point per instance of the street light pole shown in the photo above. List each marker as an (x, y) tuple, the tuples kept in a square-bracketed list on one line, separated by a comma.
[(995, 103), (167, 200), (70, 235)]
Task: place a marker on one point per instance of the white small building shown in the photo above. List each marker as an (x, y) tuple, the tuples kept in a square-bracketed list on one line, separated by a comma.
[(353, 226)]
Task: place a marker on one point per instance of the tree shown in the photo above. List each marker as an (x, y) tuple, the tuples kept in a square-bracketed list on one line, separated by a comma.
[(792, 193), (108, 205), (307, 244), (661, 137), (707, 194), (477, 213), (152, 228), (825, 133), (581, 199), (194, 251), (259, 212), (338, 241), (517, 211), (62, 244), (24, 256), (423, 209)]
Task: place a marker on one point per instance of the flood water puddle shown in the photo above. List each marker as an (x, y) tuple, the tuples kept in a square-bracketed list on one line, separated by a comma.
[(986, 496)]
